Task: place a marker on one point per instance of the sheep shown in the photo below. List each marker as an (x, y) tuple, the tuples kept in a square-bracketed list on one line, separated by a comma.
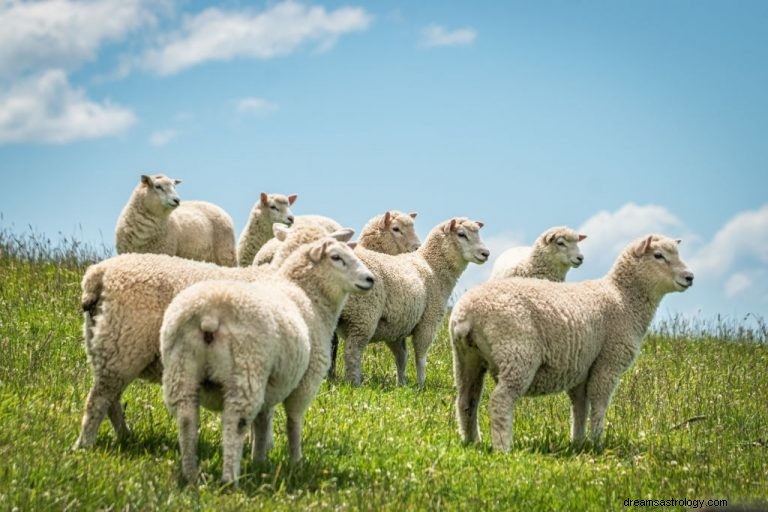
[(392, 233), (155, 220), (269, 209), (246, 347), (539, 337), (553, 253), (305, 229), (123, 301), (410, 296)]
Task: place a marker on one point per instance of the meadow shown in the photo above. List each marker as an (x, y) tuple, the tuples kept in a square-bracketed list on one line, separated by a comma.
[(688, 421)]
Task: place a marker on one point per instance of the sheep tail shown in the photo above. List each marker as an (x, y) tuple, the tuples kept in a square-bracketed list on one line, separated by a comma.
[(461, 329), (92, 285), (209, 324)]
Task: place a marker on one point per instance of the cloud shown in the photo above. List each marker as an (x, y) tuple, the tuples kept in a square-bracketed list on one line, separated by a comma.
[(433, 36), (162, 137), (476, 274), (254, 105), (47, 109), (744, 236), (217, 35), (609, 232), (736, 284), (63, 34)]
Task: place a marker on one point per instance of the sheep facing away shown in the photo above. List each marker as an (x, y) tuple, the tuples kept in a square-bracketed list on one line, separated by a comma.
[(552, 255), (539, 337), (392, 232), (410, 296), (245, 347), (123, 301), (156, 221), (270, 208)]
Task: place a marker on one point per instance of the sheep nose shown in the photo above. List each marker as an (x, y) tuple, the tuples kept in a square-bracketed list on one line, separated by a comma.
[(290, 219), (688, 276), (580, 258), (176, 201), (369, 280), (485, 253)]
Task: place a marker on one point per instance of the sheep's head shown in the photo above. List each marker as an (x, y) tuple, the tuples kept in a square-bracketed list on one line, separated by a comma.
[(159, 192), (401, 228), (465, 234), (562, 244), (659, 264), (291, 238), (338, 259), (277, 207)]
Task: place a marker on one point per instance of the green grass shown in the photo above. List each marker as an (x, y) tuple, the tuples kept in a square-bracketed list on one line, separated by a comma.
[(378, 446)]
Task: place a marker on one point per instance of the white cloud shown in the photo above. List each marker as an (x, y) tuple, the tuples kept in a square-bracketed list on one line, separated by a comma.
[(435, 35), (608, 233), (217, 35), (255, 106), (476, 274), (62, 34), (48, 109), (745, 235), (736, 284), (162, 137)]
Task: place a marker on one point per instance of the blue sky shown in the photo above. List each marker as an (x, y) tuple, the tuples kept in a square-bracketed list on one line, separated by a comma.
[(618, 118)]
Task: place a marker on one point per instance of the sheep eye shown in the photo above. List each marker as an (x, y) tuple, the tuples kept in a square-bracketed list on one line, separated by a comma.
[(336, 257), (659, 256), (273, 207), (158, 187), (396, 229), (461, 234), (561, 243)]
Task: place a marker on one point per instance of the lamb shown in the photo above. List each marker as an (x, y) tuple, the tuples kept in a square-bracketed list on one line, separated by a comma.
[(123, 300), (305, 229), (410, 297), (269, 209), (246, 347), (392, 233), (156, 221), (539, 337), (551, 257)]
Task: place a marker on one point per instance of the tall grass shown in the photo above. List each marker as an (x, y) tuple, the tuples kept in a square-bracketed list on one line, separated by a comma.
[(689, 420)]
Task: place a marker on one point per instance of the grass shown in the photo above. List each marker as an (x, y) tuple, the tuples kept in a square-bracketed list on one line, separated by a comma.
[(378, 446)]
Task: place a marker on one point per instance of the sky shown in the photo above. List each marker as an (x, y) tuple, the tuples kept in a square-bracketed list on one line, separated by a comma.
[(615, 118)]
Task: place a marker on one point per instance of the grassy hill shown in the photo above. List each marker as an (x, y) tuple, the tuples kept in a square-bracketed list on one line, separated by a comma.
[(689, 421)]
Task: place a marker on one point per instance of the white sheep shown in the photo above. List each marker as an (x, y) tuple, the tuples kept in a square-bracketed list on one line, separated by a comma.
[(123, 300), (246, 347), (305, 229), (269, 209), (551, 257), (155, 220), (392, 232), (539, 337), (410, 296)]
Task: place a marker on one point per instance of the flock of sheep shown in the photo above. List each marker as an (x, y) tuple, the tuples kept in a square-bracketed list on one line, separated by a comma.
[(174, 307)]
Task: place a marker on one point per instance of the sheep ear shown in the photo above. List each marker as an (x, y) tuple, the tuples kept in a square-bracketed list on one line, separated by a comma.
[(292, 198), (413, 215), (550, 238), (176, 182), (385, 221), (643, 246), (264, 198), (479, 224), (281, 231), (316, 252), (582, 237), (352, 245), (678, 241), (146, 180), (343, 234), (447, 228)]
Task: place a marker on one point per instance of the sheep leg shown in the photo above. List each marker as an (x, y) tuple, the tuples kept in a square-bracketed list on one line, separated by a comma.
[(234, 425), (261, 432), (117, 418), (101, 398), (188, 421), (469, 375), (400, 352), (420, 348), (353, 359), (334, 355), (579, 411), (600, 387), (514, 379), (294, 424)]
